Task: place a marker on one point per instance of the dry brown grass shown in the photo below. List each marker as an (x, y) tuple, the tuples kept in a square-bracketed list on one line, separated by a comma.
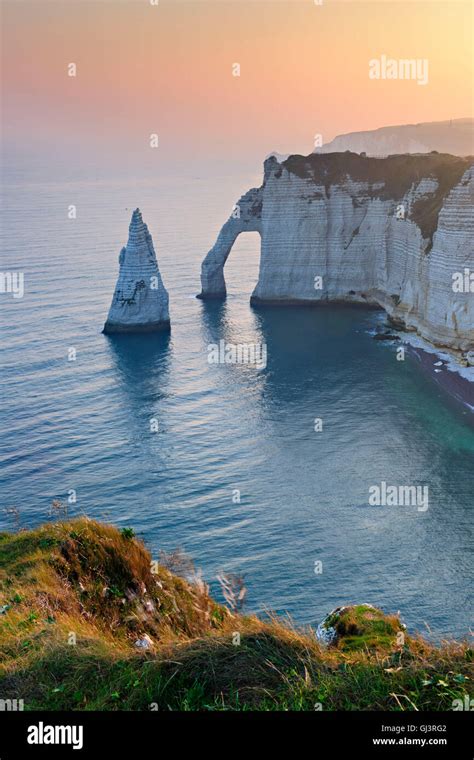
[(91, 580)]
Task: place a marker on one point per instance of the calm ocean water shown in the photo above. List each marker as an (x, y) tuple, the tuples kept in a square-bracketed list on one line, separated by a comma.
[(84, 424)]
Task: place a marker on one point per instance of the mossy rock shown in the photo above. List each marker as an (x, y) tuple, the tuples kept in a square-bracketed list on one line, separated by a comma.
[(361, 627)]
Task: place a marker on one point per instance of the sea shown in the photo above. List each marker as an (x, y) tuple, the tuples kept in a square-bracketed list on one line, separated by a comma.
[(265, 471)]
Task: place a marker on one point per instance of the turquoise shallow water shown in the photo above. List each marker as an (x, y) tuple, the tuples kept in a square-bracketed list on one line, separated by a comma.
[(84, 424)]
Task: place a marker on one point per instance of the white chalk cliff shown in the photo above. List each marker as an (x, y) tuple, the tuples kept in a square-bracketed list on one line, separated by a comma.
[(455, 136), (140, 301), (388, 232)]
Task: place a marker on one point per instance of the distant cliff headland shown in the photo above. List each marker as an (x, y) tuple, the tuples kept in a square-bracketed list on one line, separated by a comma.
[(454, 136), (89, 620), (394, 232)]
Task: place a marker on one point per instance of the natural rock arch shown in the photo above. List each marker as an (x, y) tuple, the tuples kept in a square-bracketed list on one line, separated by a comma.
[(246, 217)]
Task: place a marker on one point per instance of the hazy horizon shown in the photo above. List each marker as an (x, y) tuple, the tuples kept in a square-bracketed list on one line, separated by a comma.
[(168, 70)]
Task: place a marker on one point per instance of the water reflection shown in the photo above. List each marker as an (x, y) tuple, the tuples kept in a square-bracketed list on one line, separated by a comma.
[(142, 364), (215, 320)]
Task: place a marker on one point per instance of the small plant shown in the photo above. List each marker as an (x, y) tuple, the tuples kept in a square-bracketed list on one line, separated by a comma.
[(234, 590), (46, 543), (57, 508), (178, 562), (127, 533), (14, 514)]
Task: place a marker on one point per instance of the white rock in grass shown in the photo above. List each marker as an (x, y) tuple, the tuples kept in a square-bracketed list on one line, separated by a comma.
[(145, 642)]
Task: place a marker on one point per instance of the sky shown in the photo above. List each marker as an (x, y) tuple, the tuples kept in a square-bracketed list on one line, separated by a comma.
[(168, 69)]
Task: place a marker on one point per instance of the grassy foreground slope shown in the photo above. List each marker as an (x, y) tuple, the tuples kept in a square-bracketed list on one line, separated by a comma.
[(76, 596)]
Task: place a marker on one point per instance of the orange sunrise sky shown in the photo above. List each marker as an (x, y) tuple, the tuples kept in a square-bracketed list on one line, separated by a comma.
[(167, 69)]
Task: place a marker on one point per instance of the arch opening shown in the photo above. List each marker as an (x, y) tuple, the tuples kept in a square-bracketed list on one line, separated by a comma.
[(246, 217)]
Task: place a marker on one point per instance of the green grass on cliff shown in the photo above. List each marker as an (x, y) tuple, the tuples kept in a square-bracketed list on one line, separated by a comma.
[(75, 596)]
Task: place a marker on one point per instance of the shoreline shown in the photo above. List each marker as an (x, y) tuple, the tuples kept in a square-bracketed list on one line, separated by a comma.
[(440, 365), (442, 368)]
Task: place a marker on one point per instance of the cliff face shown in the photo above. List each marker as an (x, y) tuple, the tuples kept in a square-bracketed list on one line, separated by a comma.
[(140, 300), (342, 227)]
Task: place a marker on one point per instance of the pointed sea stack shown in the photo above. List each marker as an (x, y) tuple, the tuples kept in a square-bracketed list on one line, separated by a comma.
[(140, 302)]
